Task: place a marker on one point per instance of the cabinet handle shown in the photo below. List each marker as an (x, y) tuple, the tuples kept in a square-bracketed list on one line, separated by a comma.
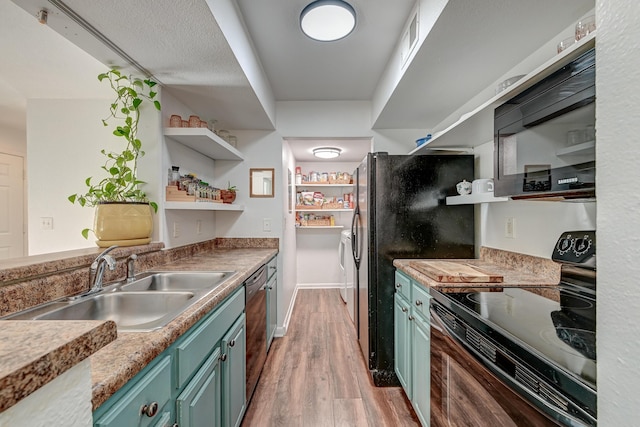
[(175, 425), (398, 285), (411, 317), (418, 303), (232, 343), (223, 357), (149, 410), (404, 309)]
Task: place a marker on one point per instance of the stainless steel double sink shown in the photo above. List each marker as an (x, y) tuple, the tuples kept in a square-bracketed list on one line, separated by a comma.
[(148, 302)]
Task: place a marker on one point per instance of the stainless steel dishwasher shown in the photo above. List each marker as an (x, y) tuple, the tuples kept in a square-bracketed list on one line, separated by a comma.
[(256, 318)]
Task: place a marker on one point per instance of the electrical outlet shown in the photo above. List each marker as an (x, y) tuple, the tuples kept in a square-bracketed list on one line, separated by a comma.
[(46, 223), (176, 230), (510, 228), (266, 224), (198, 226)]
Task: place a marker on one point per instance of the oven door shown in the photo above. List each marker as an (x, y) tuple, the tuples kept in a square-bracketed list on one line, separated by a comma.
[(465, 393)]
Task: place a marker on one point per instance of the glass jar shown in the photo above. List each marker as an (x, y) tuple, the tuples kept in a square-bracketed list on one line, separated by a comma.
[(175, 121), (194, 121)]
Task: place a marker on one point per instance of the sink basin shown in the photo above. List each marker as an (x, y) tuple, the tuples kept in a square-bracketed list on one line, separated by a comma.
[(130, 310), (177, 281), (149, 302)]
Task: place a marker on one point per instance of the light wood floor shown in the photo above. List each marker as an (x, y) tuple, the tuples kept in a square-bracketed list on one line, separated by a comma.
[(316, 374)]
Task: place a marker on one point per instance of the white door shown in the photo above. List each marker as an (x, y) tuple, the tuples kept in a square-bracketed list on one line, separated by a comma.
[(11, 206)]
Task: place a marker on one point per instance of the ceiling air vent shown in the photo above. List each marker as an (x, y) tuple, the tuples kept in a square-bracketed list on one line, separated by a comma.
[(409, 38)]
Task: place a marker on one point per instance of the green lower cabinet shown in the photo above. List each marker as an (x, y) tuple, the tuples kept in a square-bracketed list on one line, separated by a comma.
[(234, 389), (402, 329), (412, 344), (272, 299), (165, 420), (198, 381), (420, 367), (199, 402), (272, 310), (141, 404)]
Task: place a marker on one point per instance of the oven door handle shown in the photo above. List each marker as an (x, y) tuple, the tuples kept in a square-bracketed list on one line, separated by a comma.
[(436, 322)]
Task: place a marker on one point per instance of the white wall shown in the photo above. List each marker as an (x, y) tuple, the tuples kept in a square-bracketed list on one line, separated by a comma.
[(320, 119), (287, 258), (64, 138), (13, 141), (65, 401), (617, 112), (261, 149)]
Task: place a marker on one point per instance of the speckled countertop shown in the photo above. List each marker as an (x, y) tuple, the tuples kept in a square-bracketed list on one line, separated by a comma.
[(538, 275), (32, 353), (119, 361)]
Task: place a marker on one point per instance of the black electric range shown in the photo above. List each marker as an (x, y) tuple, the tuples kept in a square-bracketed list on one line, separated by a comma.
[(546, 348)]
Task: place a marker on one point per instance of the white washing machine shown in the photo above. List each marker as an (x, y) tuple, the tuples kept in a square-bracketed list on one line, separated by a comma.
[(348, 271)]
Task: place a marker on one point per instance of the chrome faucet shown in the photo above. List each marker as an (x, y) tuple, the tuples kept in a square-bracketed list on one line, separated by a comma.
[(96, 272), (131, 268)]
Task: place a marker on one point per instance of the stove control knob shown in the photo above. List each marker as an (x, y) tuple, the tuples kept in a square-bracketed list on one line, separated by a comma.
[(565, 244), (582, 245)]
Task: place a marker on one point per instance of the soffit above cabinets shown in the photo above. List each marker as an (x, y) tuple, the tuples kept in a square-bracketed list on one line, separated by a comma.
[(190, 46)]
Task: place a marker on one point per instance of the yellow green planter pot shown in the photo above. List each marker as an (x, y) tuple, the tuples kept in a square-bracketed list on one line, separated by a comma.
[(123, 224)]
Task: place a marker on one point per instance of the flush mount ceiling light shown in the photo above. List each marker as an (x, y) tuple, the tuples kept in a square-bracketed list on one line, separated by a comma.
[(328, 20), (327, 152)]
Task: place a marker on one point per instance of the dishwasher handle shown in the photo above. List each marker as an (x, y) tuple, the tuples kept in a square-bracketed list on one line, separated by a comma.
[(256, 282)]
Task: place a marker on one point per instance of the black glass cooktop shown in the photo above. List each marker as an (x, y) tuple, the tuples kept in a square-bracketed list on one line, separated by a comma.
[(561, 332)]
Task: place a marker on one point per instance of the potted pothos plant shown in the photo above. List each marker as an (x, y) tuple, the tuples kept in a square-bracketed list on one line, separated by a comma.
[(123, 211)]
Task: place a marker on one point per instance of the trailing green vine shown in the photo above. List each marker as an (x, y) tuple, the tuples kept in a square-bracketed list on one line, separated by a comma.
[(121, 183)]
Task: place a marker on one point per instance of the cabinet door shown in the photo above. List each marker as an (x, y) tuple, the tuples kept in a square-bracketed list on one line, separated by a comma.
[(234, 398), (421, 372), (272, 309), (151, 391), (164, 421), (402, 342), (199, 403)]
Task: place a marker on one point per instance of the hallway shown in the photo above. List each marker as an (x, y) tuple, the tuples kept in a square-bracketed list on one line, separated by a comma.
[(316, 375)]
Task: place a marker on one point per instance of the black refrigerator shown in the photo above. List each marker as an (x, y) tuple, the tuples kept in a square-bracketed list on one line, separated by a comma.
[(401, 213)]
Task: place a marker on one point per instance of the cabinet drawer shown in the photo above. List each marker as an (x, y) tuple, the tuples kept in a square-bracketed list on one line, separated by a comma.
[(193, 350), (153, 387), (403, 285), (272, 267), (420, 300)]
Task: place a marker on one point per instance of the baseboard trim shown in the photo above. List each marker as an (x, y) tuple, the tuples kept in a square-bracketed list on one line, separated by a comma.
[(319, 286)]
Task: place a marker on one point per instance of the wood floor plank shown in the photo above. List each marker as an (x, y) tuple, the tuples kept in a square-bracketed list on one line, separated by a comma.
[(316, 374), (348, 413)]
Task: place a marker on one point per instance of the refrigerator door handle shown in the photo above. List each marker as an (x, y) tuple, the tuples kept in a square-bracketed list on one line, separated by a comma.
[(355, 240)]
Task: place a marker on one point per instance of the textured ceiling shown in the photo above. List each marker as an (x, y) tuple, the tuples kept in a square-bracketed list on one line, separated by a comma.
[(301, 69), (182, 43)]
